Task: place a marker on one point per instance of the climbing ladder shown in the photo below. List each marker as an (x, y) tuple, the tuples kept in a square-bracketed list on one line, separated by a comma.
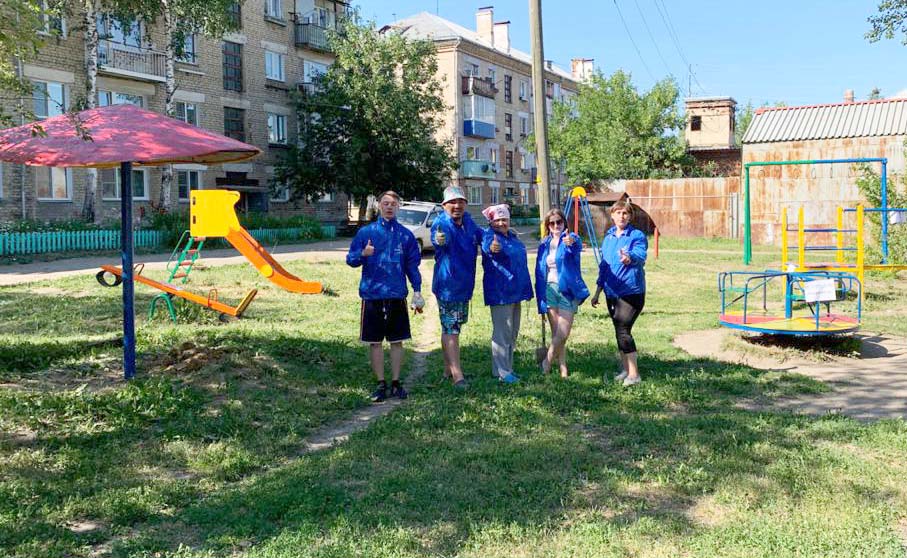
[(577, 204), (188, 250)]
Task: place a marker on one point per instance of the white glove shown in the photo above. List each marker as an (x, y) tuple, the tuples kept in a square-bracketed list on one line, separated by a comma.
[(418, 302)]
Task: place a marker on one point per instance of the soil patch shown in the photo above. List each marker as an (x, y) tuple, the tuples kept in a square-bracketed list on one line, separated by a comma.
[(869, 385)]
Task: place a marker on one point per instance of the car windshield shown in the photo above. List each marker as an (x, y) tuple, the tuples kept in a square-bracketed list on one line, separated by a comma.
[(412, 217)]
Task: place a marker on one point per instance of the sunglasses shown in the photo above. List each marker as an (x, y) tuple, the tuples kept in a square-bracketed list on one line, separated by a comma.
[(558, 222)]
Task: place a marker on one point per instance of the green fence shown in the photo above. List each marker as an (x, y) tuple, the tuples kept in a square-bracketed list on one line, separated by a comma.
[(20, 244)]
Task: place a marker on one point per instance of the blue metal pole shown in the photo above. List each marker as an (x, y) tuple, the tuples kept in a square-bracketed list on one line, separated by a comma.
[(128, 285), (884, 213)]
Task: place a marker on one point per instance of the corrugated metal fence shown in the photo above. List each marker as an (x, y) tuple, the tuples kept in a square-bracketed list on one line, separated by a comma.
[(19, 244)]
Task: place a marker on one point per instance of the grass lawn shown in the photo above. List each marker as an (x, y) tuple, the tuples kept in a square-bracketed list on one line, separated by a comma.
[(201, 455)]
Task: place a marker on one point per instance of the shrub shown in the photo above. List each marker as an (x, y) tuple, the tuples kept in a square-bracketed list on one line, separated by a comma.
[(870, 185)]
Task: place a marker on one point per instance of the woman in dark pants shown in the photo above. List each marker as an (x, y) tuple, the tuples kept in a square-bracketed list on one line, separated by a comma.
[(622, 276)]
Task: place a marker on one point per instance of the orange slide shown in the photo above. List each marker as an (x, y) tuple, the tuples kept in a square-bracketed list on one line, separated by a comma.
[(267, 265), (212, 214)]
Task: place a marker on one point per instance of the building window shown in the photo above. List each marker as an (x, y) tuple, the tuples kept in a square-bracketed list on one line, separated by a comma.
[(187, 112), (473, 70), (274, 8), (187, 181), (50, 98), (123, 31), (277, 128), (234, 12), (495, 194), (492, 76), (1, 180), (508, 89), (508, 126), (480, 108), (475, 195), (107, 98), (188, 54), (232, 66), (327, 198), (524, 194), (280, 192), (695, 123), (508, 164), (235, 123), (493, 155), (53, 183), (524, 162), (53, 23), (524, 126), (110, 184), (524, 90), (274, 66)]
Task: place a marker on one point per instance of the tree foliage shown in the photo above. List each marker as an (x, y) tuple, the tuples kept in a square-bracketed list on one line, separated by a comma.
[(609, 130), (369, 123), (20, 24), (890, 21)]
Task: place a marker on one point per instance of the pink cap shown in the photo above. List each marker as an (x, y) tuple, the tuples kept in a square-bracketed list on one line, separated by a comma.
[(496, 212)]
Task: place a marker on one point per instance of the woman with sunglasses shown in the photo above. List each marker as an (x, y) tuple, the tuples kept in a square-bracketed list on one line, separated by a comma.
[(559, 285), (622, 277)]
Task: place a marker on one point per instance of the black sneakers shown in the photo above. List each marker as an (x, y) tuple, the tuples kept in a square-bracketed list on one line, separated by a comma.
[(398, 391), (380, 394)]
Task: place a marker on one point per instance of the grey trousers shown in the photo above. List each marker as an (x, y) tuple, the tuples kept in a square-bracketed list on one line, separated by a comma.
[(505, 323)]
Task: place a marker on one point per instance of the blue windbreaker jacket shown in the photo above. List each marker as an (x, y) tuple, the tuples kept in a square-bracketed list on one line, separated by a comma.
[(616, 278), (396, 257), (454, 278), (569, 277), (506, 274)]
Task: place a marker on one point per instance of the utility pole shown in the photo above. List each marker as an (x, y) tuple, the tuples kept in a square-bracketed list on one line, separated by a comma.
[(540, 120)]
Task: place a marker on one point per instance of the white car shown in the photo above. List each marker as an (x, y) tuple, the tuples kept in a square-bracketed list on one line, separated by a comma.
[(418, 217)]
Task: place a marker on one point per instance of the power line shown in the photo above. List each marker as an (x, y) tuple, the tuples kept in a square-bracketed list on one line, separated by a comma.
[(666, 19), (652, 37), (630, 35)]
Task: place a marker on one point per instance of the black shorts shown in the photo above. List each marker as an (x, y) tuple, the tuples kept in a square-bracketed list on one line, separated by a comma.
[(384, 319)]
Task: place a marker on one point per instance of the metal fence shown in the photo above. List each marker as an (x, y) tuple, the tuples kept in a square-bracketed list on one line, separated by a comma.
[(24, 243)]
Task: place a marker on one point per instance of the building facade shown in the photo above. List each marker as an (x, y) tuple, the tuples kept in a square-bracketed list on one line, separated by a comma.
[(487, 88), (238, 85), (710, 133)]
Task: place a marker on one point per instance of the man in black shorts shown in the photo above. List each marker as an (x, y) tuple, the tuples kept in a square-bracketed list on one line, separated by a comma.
[(389, 254)]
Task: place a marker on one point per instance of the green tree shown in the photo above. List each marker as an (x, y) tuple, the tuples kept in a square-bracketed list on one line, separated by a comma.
[(889, 22), (20, 24), (369, 124), (609, 130), (742, 119), (876, 93)]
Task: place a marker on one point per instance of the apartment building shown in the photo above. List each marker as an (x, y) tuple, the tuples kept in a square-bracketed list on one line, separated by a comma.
[(238, 85), (488, 91)]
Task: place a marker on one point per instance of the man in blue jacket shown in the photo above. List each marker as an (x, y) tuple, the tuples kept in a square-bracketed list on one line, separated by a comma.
[(389, 254), (456, 239)]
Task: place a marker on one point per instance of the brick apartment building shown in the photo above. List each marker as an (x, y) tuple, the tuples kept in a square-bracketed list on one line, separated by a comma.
[(488, 89), (238, 85)]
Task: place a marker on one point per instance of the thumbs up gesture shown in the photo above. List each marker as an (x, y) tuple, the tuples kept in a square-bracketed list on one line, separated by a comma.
[(495, 245), (440, 238), (624, 257), (569, 240), (368, 250)]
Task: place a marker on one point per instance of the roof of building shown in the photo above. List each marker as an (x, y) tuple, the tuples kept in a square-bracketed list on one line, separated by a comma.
[(425, 25), (882, 117)]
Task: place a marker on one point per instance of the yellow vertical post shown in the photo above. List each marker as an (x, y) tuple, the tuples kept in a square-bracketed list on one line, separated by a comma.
[(783, 238), (839, 253), (801, 241), (860, 247)]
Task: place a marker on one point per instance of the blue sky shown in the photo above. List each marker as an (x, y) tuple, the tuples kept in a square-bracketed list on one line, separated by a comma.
[(797, 51)]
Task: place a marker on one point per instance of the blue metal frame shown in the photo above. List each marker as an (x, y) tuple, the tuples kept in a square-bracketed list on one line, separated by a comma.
[(588, 222), (128, 283)]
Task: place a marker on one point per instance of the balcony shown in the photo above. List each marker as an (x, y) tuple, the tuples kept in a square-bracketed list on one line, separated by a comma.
[(478, 129), (308, 88), (476, 168), (132, 62), (315, 37), (473, 85)]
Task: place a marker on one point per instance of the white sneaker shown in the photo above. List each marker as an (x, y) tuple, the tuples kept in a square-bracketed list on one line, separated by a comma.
[(621, 377), (632, 381)]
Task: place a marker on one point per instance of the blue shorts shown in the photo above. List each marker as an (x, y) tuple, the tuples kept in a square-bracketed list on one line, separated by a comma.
[(556, 300), (453, 315)]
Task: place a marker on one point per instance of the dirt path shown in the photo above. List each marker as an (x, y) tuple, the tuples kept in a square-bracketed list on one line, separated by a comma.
[(423, 344), (871, 387)]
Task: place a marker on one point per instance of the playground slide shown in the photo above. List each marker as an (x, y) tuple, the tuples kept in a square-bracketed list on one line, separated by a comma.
[(267, 265)]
